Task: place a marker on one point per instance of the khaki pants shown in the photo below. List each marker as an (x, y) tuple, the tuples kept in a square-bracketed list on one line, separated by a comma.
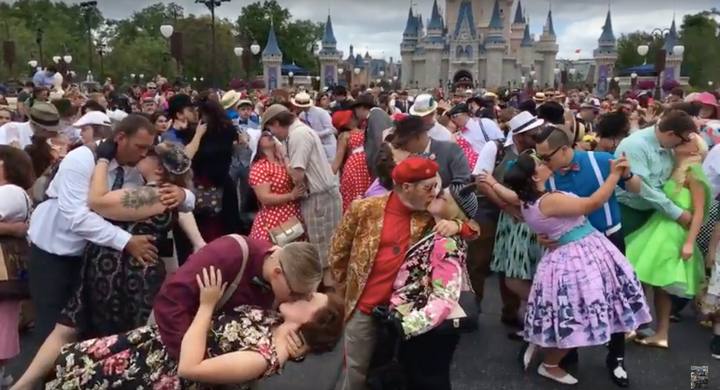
[(360, 336), (478, 263)]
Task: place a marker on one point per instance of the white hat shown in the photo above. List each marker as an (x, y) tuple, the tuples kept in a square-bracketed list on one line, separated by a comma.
[(469, 91), (424, 105), (230, 99), (521, 123), (93, 118), (302, 100)]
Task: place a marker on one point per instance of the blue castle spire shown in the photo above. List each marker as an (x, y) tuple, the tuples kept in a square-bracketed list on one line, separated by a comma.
[(608, 36), (550, 25), (436, 22), (519, 19), (496, 22), (272, 48), (410, 25), (527, 40), (672, 38), (328, 39)]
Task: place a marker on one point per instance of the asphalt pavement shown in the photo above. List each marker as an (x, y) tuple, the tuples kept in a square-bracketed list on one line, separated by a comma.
[(486, 359)]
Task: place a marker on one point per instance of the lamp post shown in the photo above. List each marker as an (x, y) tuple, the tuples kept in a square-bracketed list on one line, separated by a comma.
[(317, 81), (643, 50), (167, 31), (356, 71), (33, 67), (633, 80), (87, 8), (211, 5), (39, 40), (101, 49), (340, 78), (290, 78), (63, 61), (241, 51), (710, 84), (557, 73)]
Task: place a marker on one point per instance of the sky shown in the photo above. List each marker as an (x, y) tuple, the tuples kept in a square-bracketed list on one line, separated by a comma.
[(376, 25)]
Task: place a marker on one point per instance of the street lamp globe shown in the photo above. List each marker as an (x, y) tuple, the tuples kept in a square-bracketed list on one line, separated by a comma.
[(340, 70), (291, 74), (710, 83), (633, 75), (522, 79), (56, 59), (142, 76), (532, 73), (382, 73), (166, 30), (643, 50), (238, 51), (194, 78), (255, 48), (67, 58), (678, 50), (617, 79), (557, 71), (356, 70), (32, 63), (202, 78), (572, 70), (317, 78), (394, 78), (132, 75), (378, 81)]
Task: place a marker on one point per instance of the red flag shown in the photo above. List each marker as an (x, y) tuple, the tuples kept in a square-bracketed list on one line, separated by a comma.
[(577, 51)]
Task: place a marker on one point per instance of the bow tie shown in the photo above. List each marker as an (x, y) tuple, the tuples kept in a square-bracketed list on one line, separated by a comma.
[(575, 167), (264, 286)]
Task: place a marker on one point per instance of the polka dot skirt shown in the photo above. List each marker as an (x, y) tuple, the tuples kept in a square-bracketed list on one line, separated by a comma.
[(355, 178), (269, 217)]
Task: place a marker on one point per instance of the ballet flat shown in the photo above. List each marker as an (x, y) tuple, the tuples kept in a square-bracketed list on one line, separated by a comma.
[(662, 344), (566, 379)]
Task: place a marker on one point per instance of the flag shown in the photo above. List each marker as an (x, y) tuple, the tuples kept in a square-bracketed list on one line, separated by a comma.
[(577, 51)]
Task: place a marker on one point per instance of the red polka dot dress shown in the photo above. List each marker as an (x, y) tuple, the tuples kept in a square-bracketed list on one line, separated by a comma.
[(355, 178), (269, 217), (470, 153)]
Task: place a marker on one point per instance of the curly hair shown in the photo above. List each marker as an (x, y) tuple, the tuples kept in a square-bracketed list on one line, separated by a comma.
[(324, 330), (519, 178)]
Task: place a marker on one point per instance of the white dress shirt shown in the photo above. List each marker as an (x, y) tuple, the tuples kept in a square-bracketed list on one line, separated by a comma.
[(62, 224), (711, 167), (320, 121), (439, 132), (487, 156), (14, 203), (17, 134), (478, 136)]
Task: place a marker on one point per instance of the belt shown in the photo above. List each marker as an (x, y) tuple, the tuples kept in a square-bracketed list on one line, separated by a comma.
[(613, 230)]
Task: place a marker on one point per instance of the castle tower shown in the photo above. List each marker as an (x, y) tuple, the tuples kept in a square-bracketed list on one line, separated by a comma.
[(330, 57), (548, 49), (673, 61), (605, 56), (407, 48), (434, 44), (527, 51), (272, 61), (495, 44), (517, 31)]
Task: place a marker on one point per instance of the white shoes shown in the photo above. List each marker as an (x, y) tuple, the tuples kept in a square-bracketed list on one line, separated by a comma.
[(566, 379)]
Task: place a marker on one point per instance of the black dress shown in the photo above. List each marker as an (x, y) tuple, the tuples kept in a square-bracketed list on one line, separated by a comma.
[(116, 292)]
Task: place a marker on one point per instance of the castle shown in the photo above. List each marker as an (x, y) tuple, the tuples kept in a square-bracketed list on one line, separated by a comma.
[(478, 43)]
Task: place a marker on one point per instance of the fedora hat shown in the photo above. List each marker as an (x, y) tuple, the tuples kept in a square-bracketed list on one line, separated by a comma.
[(424, 105), (302, 100), (271, 113), (521, 123), (230, 99), (363, 100), (46, 116)]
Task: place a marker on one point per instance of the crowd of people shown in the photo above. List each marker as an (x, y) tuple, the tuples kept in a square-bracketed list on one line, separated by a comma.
[(169, 239)]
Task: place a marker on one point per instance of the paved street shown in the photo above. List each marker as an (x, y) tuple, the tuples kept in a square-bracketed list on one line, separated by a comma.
[(486, 360)]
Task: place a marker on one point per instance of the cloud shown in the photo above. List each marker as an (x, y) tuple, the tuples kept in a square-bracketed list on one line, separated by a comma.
[(377, 25)]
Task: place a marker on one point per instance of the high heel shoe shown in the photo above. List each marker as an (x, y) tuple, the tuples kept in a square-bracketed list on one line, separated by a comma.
[(566, 379)]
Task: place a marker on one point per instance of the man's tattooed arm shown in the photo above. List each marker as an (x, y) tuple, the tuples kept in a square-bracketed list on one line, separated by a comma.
[(139, 197)]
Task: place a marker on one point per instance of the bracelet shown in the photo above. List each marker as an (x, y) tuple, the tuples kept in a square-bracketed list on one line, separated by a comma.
[(103, 160)]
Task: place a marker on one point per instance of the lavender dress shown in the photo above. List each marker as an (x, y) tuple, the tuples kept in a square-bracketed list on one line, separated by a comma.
[(583, 291)]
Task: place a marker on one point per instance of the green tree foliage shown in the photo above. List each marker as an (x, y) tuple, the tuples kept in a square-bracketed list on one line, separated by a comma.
[(134, 45), (699, 34)]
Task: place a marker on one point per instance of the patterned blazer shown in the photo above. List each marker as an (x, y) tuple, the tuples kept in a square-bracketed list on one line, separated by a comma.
[(356, 243)]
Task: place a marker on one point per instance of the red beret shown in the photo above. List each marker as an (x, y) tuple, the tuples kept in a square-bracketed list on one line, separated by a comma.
[(341, 119), (414, 169), (398, 116)]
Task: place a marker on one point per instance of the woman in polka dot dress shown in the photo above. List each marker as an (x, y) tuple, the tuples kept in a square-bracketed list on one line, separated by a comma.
[(279, 199), (470, 154), (350, 158)]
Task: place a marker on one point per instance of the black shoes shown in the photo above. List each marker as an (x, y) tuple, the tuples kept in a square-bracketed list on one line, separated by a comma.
[(715, 347), (616, 369)]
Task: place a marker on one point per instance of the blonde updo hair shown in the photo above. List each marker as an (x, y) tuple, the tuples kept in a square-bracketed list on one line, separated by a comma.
[(682, 166)]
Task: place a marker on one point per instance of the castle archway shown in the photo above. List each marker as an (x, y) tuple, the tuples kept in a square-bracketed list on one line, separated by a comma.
[(462, 79)]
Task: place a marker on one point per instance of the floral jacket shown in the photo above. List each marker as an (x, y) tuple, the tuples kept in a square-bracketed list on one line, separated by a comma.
[(429, 283)]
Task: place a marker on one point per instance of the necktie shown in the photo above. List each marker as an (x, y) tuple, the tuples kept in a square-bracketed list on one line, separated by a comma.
[(119, 179)]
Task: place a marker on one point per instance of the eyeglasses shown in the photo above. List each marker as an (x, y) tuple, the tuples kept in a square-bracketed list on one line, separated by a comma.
[(4, 118), (296, 296)]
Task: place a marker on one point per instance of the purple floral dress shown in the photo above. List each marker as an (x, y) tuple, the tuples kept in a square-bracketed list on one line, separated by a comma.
[(138, 359), (429, 282)]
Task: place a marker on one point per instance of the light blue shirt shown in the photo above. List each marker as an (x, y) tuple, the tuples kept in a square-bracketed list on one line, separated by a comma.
[(320, 121), (44, 79), (654, 164)]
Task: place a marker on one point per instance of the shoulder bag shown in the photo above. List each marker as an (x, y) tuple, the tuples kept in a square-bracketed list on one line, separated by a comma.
[(14, 255), (233, 286)]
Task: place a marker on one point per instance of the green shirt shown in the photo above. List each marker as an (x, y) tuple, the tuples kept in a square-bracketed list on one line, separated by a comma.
[(654, 164)]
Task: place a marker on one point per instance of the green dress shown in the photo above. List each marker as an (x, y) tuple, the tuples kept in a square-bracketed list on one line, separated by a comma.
[(654, 250)]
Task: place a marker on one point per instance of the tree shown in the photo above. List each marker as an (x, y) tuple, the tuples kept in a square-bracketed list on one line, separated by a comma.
[(627, 49), (295, 37)]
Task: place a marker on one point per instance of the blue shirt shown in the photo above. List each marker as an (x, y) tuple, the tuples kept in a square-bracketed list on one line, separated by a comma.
[(44, 79), (583, 182), (171, 135)]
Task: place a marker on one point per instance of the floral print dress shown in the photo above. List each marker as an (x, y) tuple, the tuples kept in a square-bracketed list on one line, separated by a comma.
[(429, 283), (138, 359)]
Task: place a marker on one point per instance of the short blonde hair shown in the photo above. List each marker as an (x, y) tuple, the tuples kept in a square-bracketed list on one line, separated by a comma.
[(301, 263)]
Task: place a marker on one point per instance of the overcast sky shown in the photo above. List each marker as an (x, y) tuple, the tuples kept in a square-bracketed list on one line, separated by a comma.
[(377, 25)]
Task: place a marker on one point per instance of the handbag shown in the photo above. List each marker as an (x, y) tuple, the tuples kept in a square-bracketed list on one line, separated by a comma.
[(287, 232), (208, 200), (464, 316), (14, 255)]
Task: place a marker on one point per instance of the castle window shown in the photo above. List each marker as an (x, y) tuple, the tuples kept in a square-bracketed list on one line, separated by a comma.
[(459, 52), (469, 51)]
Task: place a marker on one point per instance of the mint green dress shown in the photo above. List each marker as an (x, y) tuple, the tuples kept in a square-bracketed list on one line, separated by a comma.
[(654, 250)]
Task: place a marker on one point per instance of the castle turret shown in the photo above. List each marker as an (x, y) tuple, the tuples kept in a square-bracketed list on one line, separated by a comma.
[(407, 48), (330, 57), (674, 57), (517, 31), (495, 48), (527, 50), (605, 56), (272, 61), (434, 43), (548, 49)]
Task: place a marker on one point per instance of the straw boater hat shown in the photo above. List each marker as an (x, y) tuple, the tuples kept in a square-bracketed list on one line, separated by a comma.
[(302, 100), (539, 97), (424, 105), (46, 116), (230, 99), (521, 123)]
